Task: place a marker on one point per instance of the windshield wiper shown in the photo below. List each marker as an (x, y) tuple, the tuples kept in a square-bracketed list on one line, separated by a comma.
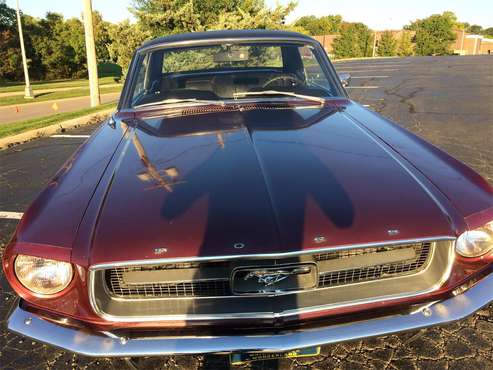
[(179, 101), (317, 99)]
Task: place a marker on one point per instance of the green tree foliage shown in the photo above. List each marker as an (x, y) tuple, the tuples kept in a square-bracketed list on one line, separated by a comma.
[(55, 47), (164, 17), (125, 37), (434, 34), (355, 41), (325, 25), (101, 36), (8, 42), (488, 32), (405, 47), (387, 46), (475, 29)]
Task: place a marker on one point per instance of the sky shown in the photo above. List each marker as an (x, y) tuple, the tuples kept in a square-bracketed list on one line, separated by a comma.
[(377, 14)]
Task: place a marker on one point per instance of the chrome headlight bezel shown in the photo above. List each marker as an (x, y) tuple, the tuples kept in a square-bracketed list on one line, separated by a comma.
[(475, 243), (43, 276)]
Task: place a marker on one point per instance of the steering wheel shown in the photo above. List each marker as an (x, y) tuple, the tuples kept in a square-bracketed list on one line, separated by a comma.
[(296, 80)]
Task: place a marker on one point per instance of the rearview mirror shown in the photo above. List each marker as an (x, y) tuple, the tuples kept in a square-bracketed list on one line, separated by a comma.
[(345, 78)]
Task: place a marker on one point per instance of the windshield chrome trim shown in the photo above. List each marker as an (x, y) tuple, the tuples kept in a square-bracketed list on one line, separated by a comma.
[(190, 43)]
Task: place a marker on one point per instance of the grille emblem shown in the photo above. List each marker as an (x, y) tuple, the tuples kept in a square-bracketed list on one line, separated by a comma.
[(269, 278), (238, 245)]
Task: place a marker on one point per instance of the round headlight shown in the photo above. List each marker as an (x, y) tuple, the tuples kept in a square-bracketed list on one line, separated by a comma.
[(475, 243), (42, 276)]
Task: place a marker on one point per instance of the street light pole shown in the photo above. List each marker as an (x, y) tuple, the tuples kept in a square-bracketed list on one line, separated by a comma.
[(92, 66), (374, 50), (28, 91)]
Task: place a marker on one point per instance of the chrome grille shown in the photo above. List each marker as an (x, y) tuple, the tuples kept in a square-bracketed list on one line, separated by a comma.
[(115, 281), (218, 285), (357, 275)]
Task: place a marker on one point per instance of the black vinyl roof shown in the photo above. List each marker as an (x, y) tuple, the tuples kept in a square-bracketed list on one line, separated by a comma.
[(226, 34)]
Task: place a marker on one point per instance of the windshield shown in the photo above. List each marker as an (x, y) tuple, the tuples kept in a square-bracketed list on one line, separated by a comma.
[(230, 71)]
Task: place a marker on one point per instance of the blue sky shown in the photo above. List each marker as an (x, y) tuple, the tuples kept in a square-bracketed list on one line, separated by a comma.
[(377, 14)]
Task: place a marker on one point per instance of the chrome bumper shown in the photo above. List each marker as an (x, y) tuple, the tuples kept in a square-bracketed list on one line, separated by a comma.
[(105, 344)]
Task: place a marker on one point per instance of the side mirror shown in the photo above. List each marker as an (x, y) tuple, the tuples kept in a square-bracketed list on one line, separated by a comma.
[(345, 78)]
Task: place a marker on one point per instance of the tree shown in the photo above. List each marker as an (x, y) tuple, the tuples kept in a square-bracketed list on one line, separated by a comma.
[(405, 47), (355, 41), (125, 37), (387, 44), (10, 55), (9, 67), (434, 34), (101, 36), (320, 26), (488, 32), (163, 17), (59, 46), (475, 29)]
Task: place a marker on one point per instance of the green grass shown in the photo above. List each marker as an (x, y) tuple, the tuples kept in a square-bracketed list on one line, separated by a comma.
[(8, 129), (54, 95), (38, 85)]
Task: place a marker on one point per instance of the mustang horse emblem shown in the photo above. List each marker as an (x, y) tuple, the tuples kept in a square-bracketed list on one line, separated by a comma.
[(272, 277)]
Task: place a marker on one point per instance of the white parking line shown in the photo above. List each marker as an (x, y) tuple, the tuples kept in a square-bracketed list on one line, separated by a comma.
[(375, 66), (72, 136), (366, 105), (369, 76), (362, 87), (366, 70), (11, 215)]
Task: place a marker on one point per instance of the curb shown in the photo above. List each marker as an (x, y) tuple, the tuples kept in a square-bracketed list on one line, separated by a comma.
[(10, 141)]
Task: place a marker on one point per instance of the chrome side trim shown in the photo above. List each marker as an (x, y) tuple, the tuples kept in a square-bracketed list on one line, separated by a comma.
[(269, 255), (109, 345)]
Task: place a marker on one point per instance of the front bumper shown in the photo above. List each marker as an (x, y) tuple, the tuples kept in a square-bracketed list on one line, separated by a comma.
[(106, 344)]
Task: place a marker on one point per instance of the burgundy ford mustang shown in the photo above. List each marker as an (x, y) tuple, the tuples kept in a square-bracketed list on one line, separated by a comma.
[(238, 201)]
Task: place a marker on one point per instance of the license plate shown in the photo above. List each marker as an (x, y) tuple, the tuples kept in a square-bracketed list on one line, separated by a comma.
[(240, 358)]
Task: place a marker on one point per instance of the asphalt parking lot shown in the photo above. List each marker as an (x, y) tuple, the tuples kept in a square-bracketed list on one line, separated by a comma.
[(446, 100)]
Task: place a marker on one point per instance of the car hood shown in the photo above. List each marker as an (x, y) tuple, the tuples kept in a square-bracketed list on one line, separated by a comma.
[(257, 181)]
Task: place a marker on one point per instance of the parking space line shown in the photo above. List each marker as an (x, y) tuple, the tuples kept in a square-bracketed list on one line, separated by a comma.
[(366, 70), (375, 66), (369, 76), (72, 136), (362, 87), (11, 215)]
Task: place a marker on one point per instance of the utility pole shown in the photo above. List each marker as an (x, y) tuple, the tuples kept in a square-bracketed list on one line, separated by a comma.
[(92, 66), (373, 52), (28, 91)]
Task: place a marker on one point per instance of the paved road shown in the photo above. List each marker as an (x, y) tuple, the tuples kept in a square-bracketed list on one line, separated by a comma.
[(447, 100), (21, 112), (43, 91)]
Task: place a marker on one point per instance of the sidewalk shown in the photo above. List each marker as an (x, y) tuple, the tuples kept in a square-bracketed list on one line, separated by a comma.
[(12, 113), (43, 91)]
